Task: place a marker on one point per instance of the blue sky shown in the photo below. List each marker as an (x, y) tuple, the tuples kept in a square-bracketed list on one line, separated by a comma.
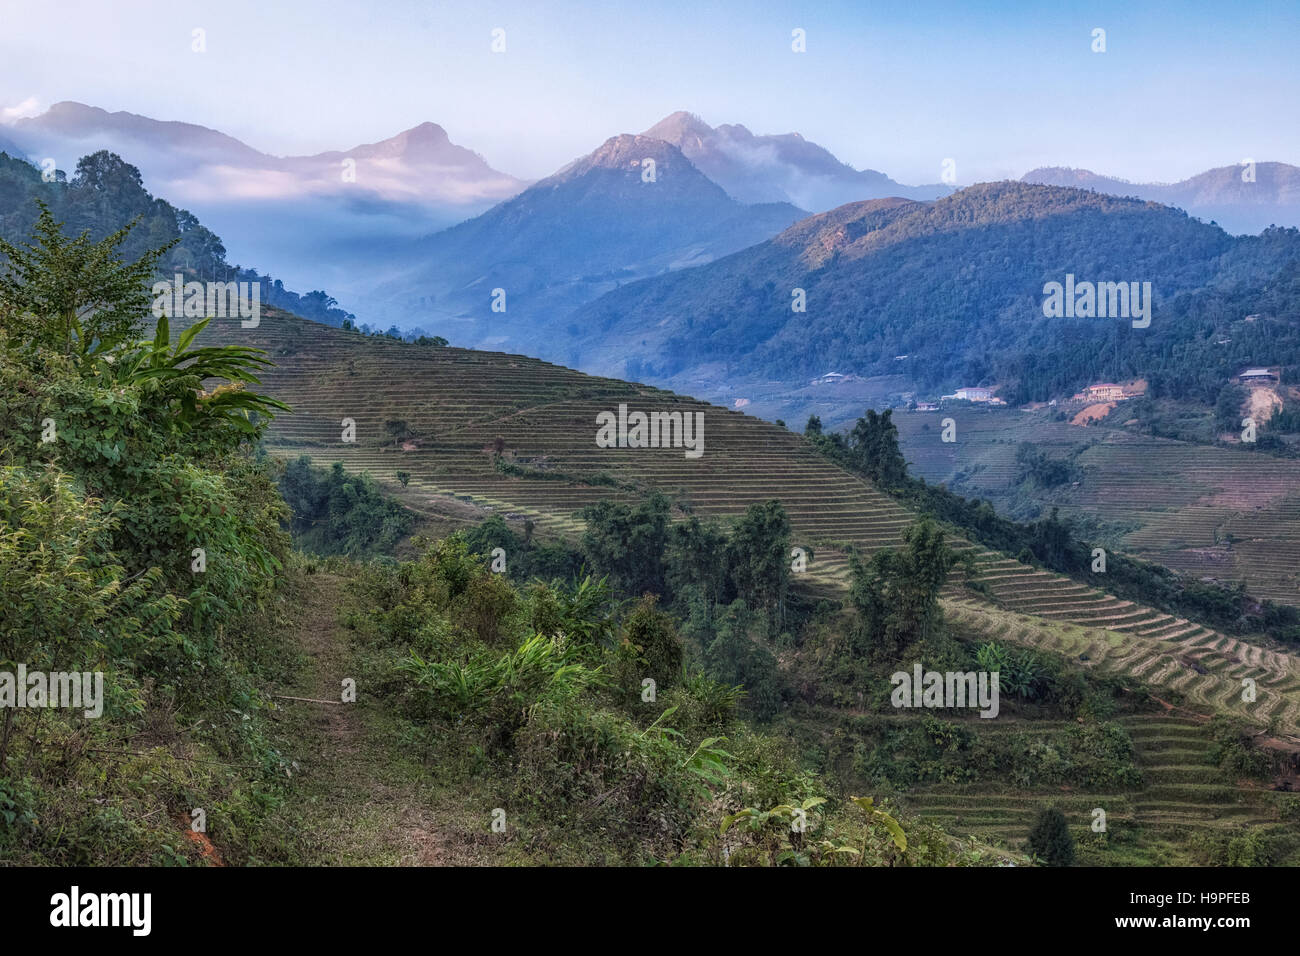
[(999, 87)]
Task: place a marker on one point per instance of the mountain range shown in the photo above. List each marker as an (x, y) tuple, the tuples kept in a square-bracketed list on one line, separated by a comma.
[(784, 168), (676, 255), (633, 207), (1245, 198), (298, 216), (419, 165), (941, 294)]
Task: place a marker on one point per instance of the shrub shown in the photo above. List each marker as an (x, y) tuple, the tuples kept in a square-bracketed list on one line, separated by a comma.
[(1050, 840)]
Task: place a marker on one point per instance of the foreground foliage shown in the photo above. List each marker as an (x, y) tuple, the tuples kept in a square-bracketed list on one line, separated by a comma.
[(573, 710), (139, 538)]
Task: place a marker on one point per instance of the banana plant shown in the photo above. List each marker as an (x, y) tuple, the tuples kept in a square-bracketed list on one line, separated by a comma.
[(876, 815), (783, 843), (159, 360)]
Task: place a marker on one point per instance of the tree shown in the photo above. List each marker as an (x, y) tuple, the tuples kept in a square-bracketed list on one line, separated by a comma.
[(739, 655), (759, 557), (397, 429), (697, 559), (338, 513), (1050, 839), (1227, 409), (627, 544), (73, 295), (896, 593), (654, 636), (404, 477), (53, 558), (874, 442), (1048, 472)]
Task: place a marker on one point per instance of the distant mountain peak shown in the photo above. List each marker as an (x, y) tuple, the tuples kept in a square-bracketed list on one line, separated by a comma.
[(71, 108), (627, 152), (1239, 198), (426, 132), (784, 167), (423, 145), (678, 127)]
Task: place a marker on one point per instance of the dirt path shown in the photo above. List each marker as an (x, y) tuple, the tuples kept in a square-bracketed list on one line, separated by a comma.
[(363, 802)]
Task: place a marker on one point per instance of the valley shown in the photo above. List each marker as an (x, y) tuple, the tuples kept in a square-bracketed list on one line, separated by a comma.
[(444, 447)]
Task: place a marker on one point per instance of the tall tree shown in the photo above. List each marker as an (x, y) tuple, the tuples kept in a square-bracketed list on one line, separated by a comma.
[(73, 295), (697, 559), (874, 442), (760, 547), (896, 593), (627, 544), (1050, 839)]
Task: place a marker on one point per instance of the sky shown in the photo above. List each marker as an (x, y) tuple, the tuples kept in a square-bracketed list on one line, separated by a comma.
[(999, 88)]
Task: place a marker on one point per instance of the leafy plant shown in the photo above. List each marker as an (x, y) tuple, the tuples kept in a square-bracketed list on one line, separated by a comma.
[(179, 365), (540, 668), (877, 815), (778, 832), (71, 294)]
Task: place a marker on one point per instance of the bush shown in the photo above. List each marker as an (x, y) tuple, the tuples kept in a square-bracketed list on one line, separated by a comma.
[(653, 636), (1050, 839), (337, 513), (739, 655), (1233, 749)]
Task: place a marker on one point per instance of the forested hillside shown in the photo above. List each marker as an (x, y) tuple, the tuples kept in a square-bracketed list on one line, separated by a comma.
[(106, 193), (636, 677), (950, 293)]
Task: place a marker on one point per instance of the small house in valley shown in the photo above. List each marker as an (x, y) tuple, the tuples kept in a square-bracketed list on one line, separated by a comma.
[(1258, 376), (1104, 392), (971, 395)]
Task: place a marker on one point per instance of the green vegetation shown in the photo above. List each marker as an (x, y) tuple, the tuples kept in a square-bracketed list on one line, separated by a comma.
[(802, 678), (525, 557), (897, 593), (134, 501), (337, 513), (1044, 471), (139, 538), (648, 679), (1052, 541), (970, 310), (1050, 838), (106, 195), (540, 698)]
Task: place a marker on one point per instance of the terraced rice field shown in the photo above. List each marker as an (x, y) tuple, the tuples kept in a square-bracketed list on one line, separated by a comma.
[(1181, 791), (1210, 512), (461, 406), (1198, 667)]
